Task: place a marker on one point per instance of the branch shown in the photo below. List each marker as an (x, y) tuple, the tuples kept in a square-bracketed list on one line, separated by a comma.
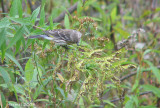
[(128, 76), (134, 73), (143, 93), (70, 10)]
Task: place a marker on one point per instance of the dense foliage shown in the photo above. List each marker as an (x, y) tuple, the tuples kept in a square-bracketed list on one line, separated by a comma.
[(116, 65)]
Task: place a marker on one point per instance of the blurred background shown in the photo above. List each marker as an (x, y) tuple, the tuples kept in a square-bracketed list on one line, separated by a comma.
[(116, 65)]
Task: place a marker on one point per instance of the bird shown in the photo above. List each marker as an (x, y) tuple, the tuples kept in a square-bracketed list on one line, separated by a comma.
[(62, 37)]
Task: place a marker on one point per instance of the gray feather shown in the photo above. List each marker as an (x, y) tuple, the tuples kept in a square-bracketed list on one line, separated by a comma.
[(41, 36)]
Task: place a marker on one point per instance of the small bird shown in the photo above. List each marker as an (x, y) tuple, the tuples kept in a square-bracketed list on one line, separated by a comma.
[(61, 37)]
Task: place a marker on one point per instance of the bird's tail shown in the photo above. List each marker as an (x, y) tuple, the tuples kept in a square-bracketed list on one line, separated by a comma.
[(41, 36)]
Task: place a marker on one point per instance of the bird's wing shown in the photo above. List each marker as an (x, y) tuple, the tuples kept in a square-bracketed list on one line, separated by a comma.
[(41, 36), (59, 34)]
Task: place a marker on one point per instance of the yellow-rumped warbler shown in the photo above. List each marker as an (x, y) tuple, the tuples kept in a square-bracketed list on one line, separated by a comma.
[(61, 36)]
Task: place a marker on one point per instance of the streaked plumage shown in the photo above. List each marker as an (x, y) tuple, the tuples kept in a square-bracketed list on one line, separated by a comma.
[(61, 36)]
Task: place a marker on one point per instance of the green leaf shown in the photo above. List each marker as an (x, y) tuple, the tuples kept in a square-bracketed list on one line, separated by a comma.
[(19, 89), (55, 12), (37, 92), (135, 99), (5, 75), (16, 37), (4, 23), (132, 102), (136, 84), (12, 76), (16, 9), (147, 51), (96, 19), (148, 106), (18, 44), (109, 103), (3, 100), (15, 61), (154, 89), (3, 51), (23, 42), (20, 9), (51, 23), (126, 17), (15, 93), (102, 12), (66, 22), (34, 15), (13, 9), (122, 32), (55, 25), (29, 42), (40, 88), (2, 36), (3, 43), (42, 100), (79, 8), (34, 79), (61, 91), (154, 69), (29, 70), (42, 14), (129, 104), (114, 14), (23, 21), (81, 102), (14, 104)]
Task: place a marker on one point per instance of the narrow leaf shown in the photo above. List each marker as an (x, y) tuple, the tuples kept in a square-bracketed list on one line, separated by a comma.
[(51, 23), (5, 75), (66, 22), (109, 103), (114, 14), (34, 15), (3, 51), (42, 14), (79, 8), (16, 37), (154, 69), (2, 36), (29, 70), (16, 9), (154, 89), (4, 23), (20, 10), (18, 44), (3, 100), (15, 61), (13, 9), (23, 21)]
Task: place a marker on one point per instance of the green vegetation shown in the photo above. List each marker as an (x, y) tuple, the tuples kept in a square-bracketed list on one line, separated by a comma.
[(117, 64)]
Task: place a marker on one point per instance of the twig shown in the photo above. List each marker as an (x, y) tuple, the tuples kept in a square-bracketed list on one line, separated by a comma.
[(128, 76), (134, 73), (3, 9), (143, 93), (38, 27), (31, 6), (70, 10)]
